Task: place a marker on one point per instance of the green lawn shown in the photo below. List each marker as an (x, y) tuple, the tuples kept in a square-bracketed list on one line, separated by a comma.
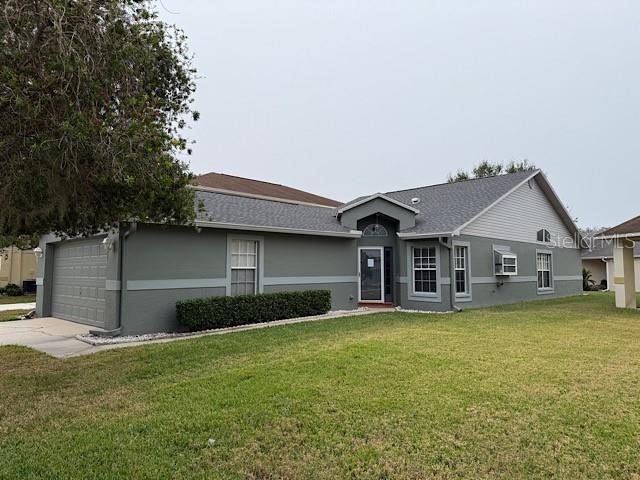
[(21, 299), (538, 390), (12, 315)]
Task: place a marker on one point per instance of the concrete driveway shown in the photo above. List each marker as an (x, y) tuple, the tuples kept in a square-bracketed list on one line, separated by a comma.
[(7, 307), (49, 335)]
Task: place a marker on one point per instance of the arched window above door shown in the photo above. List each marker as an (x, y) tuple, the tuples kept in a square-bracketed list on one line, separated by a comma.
[(375, 230)]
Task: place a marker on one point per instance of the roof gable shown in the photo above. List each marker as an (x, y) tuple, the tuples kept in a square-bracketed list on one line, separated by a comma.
[(362, 200), (521, 214), (446, 207)]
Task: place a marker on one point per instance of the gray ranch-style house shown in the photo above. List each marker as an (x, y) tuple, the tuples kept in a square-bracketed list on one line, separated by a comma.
[(475, 243)]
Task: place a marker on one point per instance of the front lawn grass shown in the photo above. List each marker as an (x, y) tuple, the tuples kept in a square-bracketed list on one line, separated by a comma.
[(9, 315), (21, 299), (536, 390)]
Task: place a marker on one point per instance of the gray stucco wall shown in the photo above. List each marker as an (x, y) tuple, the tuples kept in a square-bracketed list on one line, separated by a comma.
[(406, 218), (163, 265), (566, 272), (408, 299), (486, 288)]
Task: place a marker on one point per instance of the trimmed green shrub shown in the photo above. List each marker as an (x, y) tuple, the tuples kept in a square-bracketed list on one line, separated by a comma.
[(220, 312), (12, 290)]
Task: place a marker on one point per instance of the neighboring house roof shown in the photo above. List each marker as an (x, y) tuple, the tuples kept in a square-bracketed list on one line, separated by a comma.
[(229, 183), (630, 227), (604, 249), (247, 213)]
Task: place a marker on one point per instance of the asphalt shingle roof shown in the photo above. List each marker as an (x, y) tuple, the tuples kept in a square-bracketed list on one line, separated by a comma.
[(604, 248), (258, 187), (628, 227), (443, 207), (228, 208), (447, 206)]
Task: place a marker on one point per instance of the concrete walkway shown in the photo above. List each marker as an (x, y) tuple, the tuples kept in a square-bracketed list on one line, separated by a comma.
[(17, 306), (57, 337)]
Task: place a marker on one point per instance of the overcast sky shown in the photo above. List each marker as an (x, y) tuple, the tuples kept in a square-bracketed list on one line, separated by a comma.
[(345, 97)]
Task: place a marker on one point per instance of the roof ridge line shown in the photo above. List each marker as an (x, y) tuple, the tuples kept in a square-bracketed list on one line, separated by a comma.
[(462, 181), (257, 196)]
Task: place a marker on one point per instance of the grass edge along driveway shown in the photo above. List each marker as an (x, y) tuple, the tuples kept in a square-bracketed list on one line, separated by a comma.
[(20, 299), (533, 390)]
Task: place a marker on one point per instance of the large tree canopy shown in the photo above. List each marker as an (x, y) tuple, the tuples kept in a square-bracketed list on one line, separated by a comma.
[(93, 99)]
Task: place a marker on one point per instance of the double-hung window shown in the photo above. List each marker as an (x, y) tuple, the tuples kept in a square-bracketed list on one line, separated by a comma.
[(424, 270), (244, 267), (543, 261), (461, 267)]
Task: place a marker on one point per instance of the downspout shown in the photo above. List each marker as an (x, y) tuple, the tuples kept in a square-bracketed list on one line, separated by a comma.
[(133, 226), (606, 266), (452, 274)]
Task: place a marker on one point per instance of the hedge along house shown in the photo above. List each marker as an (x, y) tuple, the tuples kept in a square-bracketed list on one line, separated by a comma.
[(475, 243)]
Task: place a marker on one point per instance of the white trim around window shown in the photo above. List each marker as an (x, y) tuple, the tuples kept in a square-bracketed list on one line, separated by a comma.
[(417, 295), (245, 253), (544, 265), (461, 258)]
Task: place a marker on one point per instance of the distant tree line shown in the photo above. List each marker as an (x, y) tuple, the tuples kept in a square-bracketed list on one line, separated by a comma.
[(491, 169)]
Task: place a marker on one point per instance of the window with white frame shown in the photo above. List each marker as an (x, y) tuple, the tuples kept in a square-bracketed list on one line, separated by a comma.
[(461, 266), (424, 270), (244, 267), (544, 236), (544, 271)]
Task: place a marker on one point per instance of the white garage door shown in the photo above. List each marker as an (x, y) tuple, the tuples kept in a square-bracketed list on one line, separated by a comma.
[(79, 278)]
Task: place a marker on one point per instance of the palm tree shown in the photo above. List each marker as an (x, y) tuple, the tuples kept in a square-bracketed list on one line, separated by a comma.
[(587, 280)]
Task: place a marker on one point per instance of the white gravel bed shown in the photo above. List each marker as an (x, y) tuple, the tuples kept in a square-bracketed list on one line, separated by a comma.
[(98, 340), (164, 336)]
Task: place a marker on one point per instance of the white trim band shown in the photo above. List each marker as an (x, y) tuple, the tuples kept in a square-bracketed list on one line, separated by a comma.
[(310, 280), (176, 283), (508, 279), (562, 278)]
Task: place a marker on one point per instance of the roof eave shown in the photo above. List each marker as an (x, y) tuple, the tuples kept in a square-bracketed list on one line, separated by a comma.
[(263, 228), (618, 235), (418, 236)]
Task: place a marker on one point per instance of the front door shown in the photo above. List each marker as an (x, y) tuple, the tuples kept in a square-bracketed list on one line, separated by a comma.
[(371, 274)]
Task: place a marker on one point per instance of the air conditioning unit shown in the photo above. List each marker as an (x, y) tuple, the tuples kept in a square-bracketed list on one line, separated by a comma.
[(505, 263)]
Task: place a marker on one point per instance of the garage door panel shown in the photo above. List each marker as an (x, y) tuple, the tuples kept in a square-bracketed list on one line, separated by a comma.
[(79, 279)]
